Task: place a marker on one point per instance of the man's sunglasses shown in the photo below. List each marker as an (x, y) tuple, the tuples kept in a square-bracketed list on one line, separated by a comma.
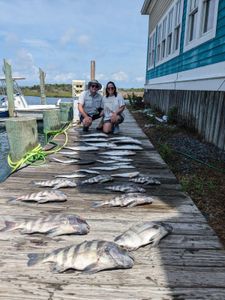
[(94, 86)]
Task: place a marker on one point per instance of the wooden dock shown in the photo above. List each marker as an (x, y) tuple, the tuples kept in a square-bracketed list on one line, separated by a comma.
[(187, 264)]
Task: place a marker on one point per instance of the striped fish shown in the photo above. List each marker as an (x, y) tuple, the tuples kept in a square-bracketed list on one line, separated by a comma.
[(102, 145), (128, 147), (81, 148), (126, 175), (96, 134), (72, 175), (146, 180), (55, 183), (63, 161), (98, 179), (126, 188), (42, 197), (128, 200), (119, 158), (143, 234), (89, 256), (118, 152), (53, 225)]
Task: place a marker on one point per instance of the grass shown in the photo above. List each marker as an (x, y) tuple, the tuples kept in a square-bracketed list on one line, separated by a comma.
[(198, 185)]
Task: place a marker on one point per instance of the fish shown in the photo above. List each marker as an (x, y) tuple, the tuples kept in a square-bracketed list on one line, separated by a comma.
[(102, 145), (98, 179), (127, 141), (129, 147), (96, 134), (88, 256), (112, 168), (128, 200), (118, 158), (83, 162), (107, 161), (143, 234), (42, 197), (68, 152), (146, 180), (88, 171), (118, 152), (55, 183), (126, 175), (94, 140), (73, 175), (68, 162), (126, 188), (82, 148), (53, 225)]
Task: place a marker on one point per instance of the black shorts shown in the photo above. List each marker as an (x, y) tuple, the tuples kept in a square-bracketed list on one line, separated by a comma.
[(121, 119), (94, 117)]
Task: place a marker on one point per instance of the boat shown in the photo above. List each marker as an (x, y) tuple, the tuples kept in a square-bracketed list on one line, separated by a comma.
[(22, 108)]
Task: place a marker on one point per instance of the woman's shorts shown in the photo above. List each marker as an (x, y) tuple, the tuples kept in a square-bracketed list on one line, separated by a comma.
[(121, 119)]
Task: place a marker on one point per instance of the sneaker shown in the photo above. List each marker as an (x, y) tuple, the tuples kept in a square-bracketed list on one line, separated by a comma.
[(99, 128), (85, 129), (116, 129)]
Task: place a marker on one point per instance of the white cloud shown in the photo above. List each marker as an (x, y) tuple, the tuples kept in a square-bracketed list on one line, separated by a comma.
[(64, 77), (68, 36), (36, 43), (140, 79), (83, 40), (120, 76)]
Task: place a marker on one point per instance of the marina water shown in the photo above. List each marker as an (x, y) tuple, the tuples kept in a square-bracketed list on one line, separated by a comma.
[(4, 145)]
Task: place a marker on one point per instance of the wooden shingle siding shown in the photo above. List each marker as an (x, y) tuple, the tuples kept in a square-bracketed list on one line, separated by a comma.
[(199, 110), (205, 54), (159, 10)]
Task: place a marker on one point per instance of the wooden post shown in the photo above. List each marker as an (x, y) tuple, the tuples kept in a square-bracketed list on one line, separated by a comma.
[(42, 76), (66, 112), (9, 88), (92, 69), (22, 135), (51, 122)]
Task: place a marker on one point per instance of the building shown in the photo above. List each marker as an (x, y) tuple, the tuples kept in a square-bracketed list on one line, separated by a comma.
[(186, 63)]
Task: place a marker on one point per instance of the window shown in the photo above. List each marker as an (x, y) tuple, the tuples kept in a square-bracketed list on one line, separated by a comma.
[(177, 25), (201, 22), (151, 50), (159, 43), (163, 48), (170, 32)]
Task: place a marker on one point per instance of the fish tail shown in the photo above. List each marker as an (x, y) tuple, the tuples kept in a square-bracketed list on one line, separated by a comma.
[(8, 226), (35, 258), (97, 204)]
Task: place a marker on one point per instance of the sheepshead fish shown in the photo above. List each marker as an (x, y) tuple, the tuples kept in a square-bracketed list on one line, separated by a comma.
[(73, 175), (98, 179), (63, 161), (89, 256), (68, 152), (118, 152), (128, 200), (126, 188), (52, 225), (56, 183), (103, 168), (146, 180), (42, 197), (126, 175), (143, 234), (81, 148), (107, 161)]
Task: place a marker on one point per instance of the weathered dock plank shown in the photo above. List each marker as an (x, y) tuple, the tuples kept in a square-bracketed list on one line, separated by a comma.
[(188, 264)]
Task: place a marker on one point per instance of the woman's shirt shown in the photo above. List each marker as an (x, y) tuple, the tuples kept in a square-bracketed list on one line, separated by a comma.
[(112, 104)]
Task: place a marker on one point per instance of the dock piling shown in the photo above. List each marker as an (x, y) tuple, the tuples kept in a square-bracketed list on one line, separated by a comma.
[(42, 76), (9, 88)]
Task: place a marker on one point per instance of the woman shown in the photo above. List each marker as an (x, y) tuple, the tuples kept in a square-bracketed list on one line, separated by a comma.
[(113, 107)]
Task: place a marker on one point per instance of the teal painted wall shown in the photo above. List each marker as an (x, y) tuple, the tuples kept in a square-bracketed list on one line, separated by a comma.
[(210, 52)]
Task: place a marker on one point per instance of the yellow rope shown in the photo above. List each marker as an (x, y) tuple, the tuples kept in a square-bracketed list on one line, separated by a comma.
[(38, 153)]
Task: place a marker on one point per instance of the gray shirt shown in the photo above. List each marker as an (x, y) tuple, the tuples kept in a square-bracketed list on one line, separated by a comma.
[(90, 103), (112, 104)]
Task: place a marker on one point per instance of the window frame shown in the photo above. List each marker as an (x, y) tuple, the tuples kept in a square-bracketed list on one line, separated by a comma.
[(201, 37), (152, 50)]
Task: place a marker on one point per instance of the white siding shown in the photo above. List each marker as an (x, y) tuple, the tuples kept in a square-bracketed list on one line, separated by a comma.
[(159, 8)]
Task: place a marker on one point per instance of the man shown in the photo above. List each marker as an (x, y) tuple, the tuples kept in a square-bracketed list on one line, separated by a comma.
[(90, 104)]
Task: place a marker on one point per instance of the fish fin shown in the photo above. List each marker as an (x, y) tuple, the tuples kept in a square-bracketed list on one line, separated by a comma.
[(91, 269), (132, 204), (97, 204), (9, 225), (55, 187), (54, 232), (55, 268), (35, 258)]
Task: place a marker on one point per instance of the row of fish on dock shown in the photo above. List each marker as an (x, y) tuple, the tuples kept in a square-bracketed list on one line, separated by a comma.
[(96, 255)]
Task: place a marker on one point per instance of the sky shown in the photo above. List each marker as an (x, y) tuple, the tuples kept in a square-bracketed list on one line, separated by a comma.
[(62, 37)]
